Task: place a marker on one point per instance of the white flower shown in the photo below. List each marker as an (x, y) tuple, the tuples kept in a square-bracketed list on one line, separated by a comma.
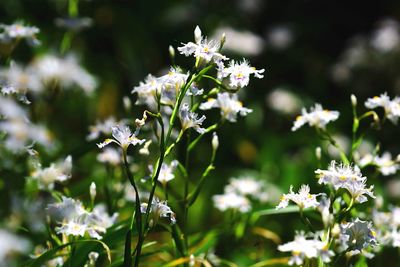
[(228, 104), (19, 31), (60, 172), (317, 117), (231, 201), (20, 80), (170, 84), (347, 177), (202, 49), (74, 23), (21, 134), (159, 209), (391, 107), (385, 164), (75, 220), (9, 109), (166, 171), (386, 38), (248, 187), (110, 156), (239, 73), (303, 198), (147, 91), (302, 248), (101, 127), (190, 119), (241, 42), (283, 101), (64, 71), (11, 244), (123, 137), (356, 236)]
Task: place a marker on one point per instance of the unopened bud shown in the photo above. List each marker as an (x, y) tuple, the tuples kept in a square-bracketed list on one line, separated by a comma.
[(197, 35), (92, 191), (171, 51), (318, 153), (127, 103), (336, 230), (353, 100), (215, 141), (222, 41)]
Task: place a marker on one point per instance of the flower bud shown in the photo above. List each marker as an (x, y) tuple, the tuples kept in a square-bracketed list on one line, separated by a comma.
[(353, 100), (127, 103), (92, 191), (197, 35), (171, 51), (318, 153), (215, 141)]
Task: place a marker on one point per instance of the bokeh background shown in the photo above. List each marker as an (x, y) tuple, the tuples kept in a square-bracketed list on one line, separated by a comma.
[(312, 51)]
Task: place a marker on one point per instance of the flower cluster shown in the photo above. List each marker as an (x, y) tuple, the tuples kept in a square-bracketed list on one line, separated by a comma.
[(391, 107), (347, 177), (74, 219), (303, 247)]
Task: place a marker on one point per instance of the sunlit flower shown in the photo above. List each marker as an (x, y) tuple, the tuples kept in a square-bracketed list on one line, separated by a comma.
[(166, 171), (356, 236), (59, 172), (159, 209), (170, 84), (241, 42), (18, 31), (229, 105), (147, 90), (190, 119), (347, 177), (20, 80), (122, 137), (247, 186), (303, 198), (9, 109), (11, 244), (238, 73), (101, 128), (386, 165), (64, 71), (231, 201), (317, 117), (110, 156), (74, 220), (391, 107), (202, 49), (303, 248)]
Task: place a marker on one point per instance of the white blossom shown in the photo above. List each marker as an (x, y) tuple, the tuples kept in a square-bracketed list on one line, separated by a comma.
[(123, 137), (231, 201), (303, 198), (159, 209), (202, 49), (166, 171), (18, 31), (238, 73), (229, 105), (190, 119), (56, 172), (356, 236), (316, 117), (11, 244), (391, 107)]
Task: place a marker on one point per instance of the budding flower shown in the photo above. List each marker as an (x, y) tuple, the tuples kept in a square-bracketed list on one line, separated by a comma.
[(127, 103), (353, 100), (222, 40), (92, 191), (318, 153), (171, 51), (215, 141), (197, 35)]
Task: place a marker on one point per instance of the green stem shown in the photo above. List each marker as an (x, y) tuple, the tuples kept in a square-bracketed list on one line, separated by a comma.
[(138, 220)]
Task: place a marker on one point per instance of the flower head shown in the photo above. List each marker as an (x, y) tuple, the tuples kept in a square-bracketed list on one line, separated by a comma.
[(391, 107), (231, 201), (303, 198), (356, 236), (19, 31), (347, 177), (166, 172), (190, 119), (60, 172), (123, 137), (317, 117), (229, 105), (202, 49), (159, 209), (239, 73), (302, 248)]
